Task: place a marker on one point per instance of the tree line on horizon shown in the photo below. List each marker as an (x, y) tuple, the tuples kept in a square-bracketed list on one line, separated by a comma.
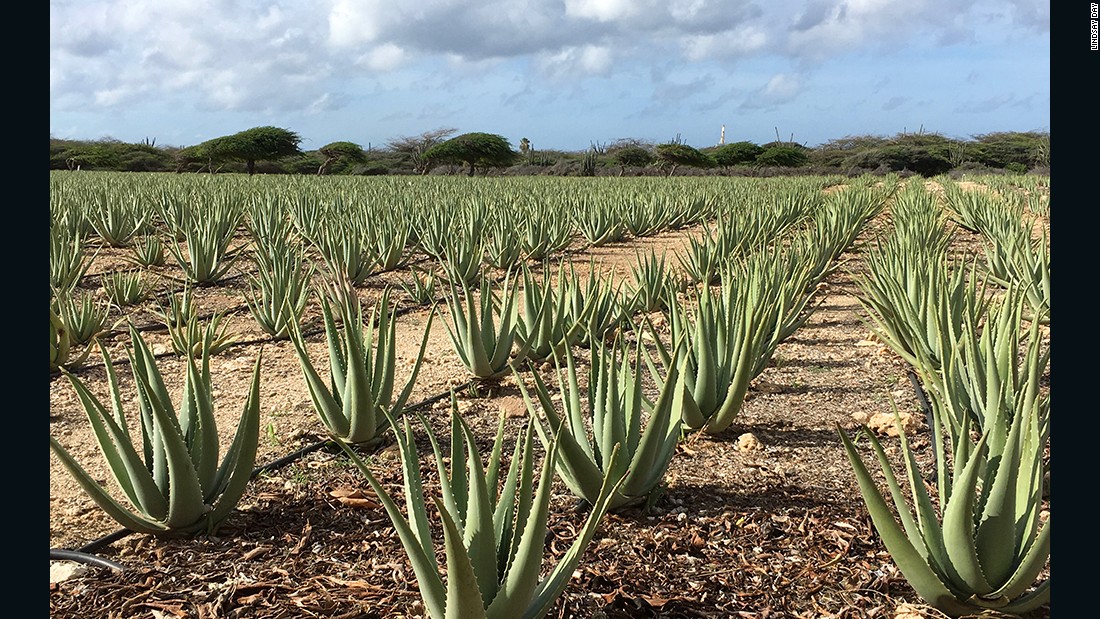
[(275, 150)]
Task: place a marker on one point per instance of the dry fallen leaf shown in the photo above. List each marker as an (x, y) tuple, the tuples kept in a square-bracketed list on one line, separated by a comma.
[(354, 497)]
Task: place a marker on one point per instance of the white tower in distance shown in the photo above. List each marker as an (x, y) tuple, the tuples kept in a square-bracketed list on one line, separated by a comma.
[(722, 138)]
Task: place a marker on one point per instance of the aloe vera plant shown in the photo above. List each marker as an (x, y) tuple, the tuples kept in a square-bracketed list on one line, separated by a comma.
[(718, 357), (644, 219), (62, 346), (991, 370), (701, 260), (148, 251), (547, 323), (83, 316), (987, 545), (174, 481), (347, 254), (598, 304), (117, 219), (918, 302), (279, 292), (733, 333), (494, 528), (920, 224), (461, 257), (975, 210), (600, 222), (125, 288), (207, 257), (503, 248), (68, 262), (390, 243), (420, 286), (188, 332), (653, 284), (484, 328), (1013, 258), (545, 232), (607, 418), (362, 364)]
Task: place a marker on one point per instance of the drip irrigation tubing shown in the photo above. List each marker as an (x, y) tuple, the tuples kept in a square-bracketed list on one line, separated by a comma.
[(85, 558), (84, 553)]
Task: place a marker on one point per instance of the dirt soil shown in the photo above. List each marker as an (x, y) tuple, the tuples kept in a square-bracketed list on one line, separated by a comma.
[(763, 520)]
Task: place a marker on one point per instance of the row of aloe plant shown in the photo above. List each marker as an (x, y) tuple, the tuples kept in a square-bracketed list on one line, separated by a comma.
[(1015, 254), (977, 542), (987, 543)]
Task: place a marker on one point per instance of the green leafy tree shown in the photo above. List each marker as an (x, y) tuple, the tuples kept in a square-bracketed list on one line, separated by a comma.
[(927, 154), (98, 155), (249, 146), (782, 155), (474, 149), (632, 156), (927, 162), (209, 155), (109, 154), (191, 157), (846, 152), (737, 153), (344, 152), (674, 154), (999, 150), (144, 158)]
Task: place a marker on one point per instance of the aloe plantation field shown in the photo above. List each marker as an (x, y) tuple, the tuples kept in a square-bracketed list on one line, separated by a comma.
[(367, 397)]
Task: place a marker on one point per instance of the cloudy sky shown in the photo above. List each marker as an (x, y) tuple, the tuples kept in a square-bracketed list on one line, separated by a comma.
[(562, 73)]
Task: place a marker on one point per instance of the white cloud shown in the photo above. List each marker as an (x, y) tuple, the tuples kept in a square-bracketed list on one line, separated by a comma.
[(730, 44), (576, 61), (325, 103), (352, 22), (600, 10), (782, 87), (822, 29), (385, 57), (111, 97)]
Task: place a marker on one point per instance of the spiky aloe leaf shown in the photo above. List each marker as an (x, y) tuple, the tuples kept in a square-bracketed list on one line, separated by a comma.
[(235, 470), (464, 597), (550, 587), (497, 580), (432, 590)]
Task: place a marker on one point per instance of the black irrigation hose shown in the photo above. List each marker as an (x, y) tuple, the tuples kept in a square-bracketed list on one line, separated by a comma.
[(102, 542), (83, 554), (291, 457), (85, 558)]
